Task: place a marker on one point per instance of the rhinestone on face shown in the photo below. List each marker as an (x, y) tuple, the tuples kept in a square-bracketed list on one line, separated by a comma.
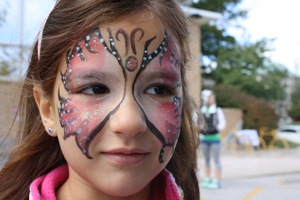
[(131, 63)]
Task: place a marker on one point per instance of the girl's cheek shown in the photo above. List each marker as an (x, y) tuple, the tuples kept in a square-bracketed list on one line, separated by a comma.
[(80, 118), (167, 119)]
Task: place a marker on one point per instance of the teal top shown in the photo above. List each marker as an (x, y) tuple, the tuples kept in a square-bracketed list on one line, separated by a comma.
[(216, 137)]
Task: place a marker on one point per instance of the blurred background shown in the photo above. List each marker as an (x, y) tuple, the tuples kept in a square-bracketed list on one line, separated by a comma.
[(247, 51)]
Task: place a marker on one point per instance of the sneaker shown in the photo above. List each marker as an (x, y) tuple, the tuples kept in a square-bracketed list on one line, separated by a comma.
[(205, 183), (215, 184)]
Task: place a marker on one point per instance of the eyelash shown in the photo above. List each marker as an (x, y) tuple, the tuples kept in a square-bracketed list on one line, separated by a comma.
[(92, 87), (169, 91)]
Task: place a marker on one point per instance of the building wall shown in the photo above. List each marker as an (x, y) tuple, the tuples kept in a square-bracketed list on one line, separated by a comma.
[(9, 99), (194, 70), (234, 120)]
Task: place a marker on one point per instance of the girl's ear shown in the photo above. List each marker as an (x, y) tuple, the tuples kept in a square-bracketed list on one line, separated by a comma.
[(45, 106)]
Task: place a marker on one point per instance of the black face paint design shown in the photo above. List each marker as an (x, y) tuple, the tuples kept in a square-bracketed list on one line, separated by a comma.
[(76, 118)]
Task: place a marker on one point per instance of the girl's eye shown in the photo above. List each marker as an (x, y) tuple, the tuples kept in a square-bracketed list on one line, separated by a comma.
[(99, 89), (158, 90)]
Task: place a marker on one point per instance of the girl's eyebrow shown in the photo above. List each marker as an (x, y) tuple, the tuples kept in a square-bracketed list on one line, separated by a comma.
[(171, 75), (95, 75)]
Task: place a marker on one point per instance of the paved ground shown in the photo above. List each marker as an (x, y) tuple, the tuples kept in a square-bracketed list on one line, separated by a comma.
[(274, 187), (257, 178), (249, 166)]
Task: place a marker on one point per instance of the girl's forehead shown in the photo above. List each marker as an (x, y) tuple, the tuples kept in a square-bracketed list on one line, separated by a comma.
[(147, 23), (128, 38), (137, 31)]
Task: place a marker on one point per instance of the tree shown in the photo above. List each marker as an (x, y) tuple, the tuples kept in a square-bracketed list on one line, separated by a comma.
[(247, 68), (294, 111), (231, 64), (5, 67), (256, 113), (2, 16), (214, 36)]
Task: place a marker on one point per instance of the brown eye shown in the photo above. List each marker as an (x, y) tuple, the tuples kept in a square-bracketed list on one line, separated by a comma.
[(158, 90), (99, 89)]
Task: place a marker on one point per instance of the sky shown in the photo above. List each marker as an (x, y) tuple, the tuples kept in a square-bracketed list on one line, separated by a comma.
[(275, 19), (266, 19), (35, 12)]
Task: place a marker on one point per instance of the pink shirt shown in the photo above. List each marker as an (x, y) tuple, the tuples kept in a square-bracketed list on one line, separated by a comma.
[(43, 188)]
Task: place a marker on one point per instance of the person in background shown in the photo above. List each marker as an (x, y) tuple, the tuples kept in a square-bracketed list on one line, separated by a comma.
[(210, 142)]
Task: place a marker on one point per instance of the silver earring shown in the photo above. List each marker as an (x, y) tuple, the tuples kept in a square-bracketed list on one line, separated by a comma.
[(50, 130)]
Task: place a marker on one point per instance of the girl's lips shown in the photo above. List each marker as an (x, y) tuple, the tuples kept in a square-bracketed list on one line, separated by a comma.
[(125, 156)]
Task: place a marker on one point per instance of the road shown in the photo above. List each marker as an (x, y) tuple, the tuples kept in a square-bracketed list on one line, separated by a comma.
[(256, 178), (274, 187)]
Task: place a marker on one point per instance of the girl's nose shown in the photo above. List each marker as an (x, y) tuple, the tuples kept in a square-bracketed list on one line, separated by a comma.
[(128, 119)]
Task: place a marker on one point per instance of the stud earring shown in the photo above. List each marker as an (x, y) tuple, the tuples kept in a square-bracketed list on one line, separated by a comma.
[(50, 130)]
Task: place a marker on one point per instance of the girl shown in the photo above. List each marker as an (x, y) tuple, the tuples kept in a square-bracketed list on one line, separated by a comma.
[(105, 106), (211, 141)]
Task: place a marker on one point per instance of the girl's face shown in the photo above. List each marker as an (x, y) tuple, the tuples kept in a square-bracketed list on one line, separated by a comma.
[(117, 106), (211, 100)]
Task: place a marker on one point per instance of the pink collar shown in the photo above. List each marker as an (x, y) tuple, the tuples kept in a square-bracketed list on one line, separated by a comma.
[(44, 187), (164, 186)]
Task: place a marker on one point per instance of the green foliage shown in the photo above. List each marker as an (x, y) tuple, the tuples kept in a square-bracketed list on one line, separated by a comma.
[(214, 36), (2, 16), (227, 7), (256, 113), (248, 69), (295, 123), (294, 112), (5, 67), (231, 64), (186, 2), (214, 39)]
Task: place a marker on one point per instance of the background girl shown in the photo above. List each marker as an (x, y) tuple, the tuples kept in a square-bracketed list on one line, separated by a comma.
[(105, 106), (211, 140)]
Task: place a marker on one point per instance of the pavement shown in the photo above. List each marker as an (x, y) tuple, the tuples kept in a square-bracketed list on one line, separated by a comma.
[(256, 178), (272, 187), (250, 166)]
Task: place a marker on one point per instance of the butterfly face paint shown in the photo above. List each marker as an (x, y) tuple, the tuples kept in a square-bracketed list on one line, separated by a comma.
[(95, 80), (163, 117)]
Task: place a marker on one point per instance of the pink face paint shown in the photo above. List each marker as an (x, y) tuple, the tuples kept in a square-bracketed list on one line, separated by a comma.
[(84, 118), (169, 113), (164, 119), (87, 54), (78, 118), (87, 67)]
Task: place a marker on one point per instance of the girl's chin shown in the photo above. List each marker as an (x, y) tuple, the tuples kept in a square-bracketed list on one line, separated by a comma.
[(130, 190)]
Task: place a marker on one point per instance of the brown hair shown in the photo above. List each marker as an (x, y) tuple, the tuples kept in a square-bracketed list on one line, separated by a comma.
[(36, 153)]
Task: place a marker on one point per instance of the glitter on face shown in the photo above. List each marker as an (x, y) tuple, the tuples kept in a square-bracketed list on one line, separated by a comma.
[(84, 119), (165, 120)]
